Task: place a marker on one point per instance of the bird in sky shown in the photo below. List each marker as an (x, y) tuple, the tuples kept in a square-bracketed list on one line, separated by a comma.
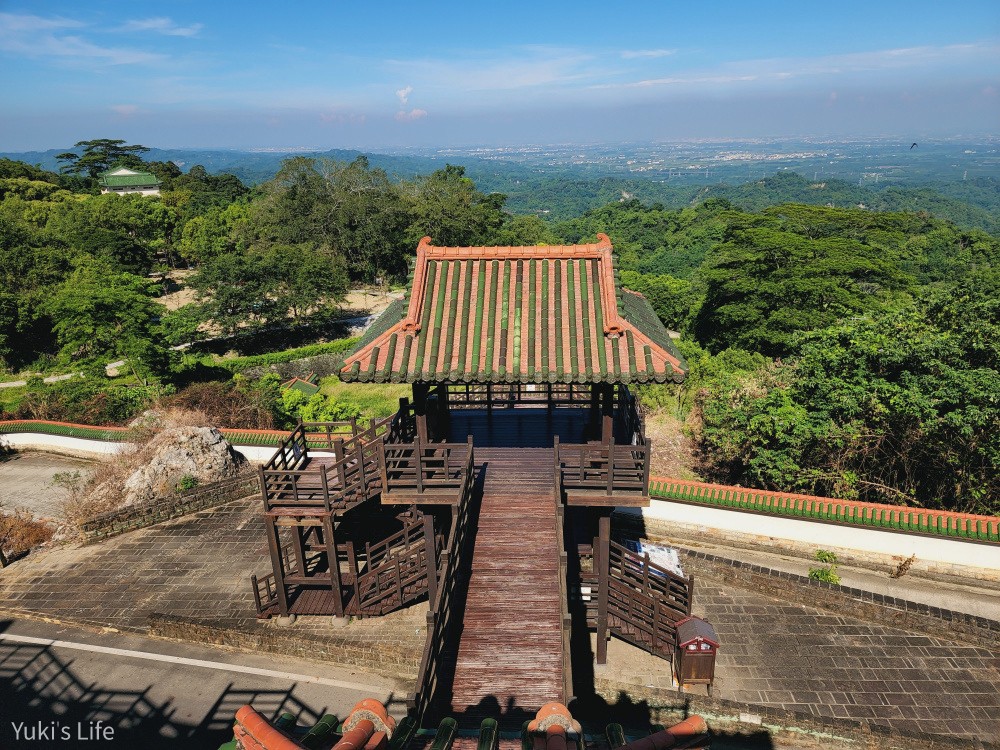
[(912, 146)]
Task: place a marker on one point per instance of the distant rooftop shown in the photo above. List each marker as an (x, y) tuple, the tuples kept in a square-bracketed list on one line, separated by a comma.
[(125, 177)]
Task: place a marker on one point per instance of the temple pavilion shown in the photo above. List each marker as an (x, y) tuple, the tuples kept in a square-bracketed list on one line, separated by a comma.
[(495, 481)]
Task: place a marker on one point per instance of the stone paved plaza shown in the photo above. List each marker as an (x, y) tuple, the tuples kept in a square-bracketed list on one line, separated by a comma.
[(774, 653)]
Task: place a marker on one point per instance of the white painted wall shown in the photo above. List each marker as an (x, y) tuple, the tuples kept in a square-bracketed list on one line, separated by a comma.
[(824, 535), (82, 447)]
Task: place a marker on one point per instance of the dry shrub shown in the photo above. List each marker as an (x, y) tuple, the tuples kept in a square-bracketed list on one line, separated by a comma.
[(226, 405), (20, 533)]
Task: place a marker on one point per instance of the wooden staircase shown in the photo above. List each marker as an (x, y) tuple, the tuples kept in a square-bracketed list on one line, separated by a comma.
[(509, 657)]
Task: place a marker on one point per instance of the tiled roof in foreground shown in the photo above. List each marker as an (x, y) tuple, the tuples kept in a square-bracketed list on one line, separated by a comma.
[(536, 314)]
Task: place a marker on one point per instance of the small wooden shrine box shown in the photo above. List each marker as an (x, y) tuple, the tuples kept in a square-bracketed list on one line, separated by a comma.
[(697, 645)]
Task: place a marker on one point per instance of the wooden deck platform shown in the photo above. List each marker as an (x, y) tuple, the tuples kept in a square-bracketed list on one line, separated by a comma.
[(509, 659)]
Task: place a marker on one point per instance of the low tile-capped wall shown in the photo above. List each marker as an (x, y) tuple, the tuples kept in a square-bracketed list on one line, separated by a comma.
[(388, 656), (830, 510), (147, 514)]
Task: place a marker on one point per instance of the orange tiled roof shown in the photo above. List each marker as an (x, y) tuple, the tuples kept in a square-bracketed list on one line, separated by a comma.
[(516, 314)]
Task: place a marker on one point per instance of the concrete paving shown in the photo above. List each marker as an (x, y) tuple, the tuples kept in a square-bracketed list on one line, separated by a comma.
[(774, 653), (954, 594), (157, 694), (27, 481)]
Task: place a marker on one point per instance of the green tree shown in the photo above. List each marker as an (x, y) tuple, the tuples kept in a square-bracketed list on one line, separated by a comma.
[(100, 155), (449, 209), (765, 285), (99, 315)]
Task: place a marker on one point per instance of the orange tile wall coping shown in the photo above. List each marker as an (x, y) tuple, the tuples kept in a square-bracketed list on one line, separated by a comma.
[(821, 499)]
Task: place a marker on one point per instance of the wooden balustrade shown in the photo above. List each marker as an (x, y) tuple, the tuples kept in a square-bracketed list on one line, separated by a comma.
[(509, 395), (603, 474), (443, 617), (426, 473), (644, 600)]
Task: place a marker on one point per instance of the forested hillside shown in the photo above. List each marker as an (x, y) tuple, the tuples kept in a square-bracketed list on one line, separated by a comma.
[(833, 349)]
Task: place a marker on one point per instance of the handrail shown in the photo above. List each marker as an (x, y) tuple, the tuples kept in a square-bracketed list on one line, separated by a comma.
[(567, 621), (606, 467), (440, 617), (951, 524)]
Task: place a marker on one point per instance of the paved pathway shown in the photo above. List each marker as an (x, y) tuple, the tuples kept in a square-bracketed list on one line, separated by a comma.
[(774, 652), (156, 694), (27, 481), (197, 567)]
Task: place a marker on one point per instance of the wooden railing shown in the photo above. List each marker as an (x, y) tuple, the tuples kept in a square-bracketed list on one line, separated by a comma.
[(508, 395), (567, 620), (421, 467), (645, 600), (287, 481), (602, 468), (443, 618), (399, 569)]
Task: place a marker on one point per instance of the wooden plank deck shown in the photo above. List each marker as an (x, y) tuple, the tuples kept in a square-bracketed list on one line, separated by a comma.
[(508, 661)]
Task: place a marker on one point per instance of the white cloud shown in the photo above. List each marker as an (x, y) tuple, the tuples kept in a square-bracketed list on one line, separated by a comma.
[(526, 67), (632, 54), (12, 23), (161, 25), (37, 37), (799, 68), (413, 114), (404, 94)]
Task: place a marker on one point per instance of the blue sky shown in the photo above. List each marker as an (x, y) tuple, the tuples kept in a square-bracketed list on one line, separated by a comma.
[(388, 75)]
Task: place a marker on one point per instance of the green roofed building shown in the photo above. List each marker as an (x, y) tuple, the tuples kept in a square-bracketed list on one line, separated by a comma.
[(123, 180), (516, 315)]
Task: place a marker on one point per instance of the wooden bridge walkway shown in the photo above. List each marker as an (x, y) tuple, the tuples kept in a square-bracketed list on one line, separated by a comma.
[(509, 658)]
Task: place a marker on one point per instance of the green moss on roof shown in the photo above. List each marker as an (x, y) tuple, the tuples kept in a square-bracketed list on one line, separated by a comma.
[(635, 308)]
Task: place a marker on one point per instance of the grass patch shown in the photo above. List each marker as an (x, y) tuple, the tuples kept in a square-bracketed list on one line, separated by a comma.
[(373, 399)]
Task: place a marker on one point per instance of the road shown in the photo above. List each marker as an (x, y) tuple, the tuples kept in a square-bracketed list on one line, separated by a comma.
[(156, 694)]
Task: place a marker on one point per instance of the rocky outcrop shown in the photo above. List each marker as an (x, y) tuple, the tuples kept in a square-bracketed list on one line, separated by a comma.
[(175, 458), (182, 456)]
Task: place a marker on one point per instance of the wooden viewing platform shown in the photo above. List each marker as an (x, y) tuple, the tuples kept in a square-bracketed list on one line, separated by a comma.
[(521, 437), (513, 613)]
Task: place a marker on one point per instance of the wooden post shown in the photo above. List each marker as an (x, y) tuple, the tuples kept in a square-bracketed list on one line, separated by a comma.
[(274, 547), (352, 564), (690, 592), (326, 490), (420, 410), (557, 474), (418, 456), (603, 543), (607, 412), (595, 410), (299, 549), (331, 556), (431, 558), (611, 467), (338, 452), (648, 456), (360, 458), (382, 466), (263, 488)]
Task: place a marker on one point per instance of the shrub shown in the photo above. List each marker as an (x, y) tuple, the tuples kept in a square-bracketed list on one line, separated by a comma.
[(187, 482), (825, 556), (825, 574), (20, 532)]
